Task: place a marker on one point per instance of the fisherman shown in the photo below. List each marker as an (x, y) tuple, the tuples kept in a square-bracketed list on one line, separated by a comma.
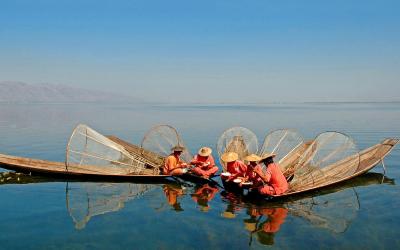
[(273, 177), (250, 174), (236, 168), (204, 163), (173, 164)]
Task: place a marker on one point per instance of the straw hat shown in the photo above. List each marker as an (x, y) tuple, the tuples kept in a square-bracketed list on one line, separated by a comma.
[(228, 215), (177, 148), (250, 225), (252, 158), (205, 151), (229, 156), (267, 155)]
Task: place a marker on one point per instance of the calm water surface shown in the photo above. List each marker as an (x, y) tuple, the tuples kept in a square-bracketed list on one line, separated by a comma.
[(54, 214)]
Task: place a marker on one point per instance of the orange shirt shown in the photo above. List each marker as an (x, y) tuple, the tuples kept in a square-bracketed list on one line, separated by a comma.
[(253, 176), (171, 163), (203, 159), (276, 179)]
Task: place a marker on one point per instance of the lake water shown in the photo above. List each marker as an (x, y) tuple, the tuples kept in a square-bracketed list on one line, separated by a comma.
[(57, 214)]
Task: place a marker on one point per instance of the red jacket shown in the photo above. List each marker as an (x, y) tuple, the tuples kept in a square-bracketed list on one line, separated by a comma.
[(276, 179), (237, 168), (199, 160)]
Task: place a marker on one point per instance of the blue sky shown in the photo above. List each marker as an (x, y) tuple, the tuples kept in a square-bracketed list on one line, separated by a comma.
[(207, 51)]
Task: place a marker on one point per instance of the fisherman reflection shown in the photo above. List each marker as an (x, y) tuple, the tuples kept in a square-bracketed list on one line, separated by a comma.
[(203, 195), (233, 204), (265, 230), (172, 193)]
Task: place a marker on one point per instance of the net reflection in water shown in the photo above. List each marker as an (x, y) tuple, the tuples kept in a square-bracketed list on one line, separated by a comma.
[(86, 200)]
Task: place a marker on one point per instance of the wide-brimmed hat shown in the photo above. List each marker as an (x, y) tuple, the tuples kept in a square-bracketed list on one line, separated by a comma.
[(267, 155), (250, 225), (228, 215), (229, 156), (205, 151), (252, 158), (177, 148)]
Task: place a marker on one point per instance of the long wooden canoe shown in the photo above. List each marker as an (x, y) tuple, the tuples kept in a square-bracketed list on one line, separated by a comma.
[(369, 158), (52, 168), (59, 169)]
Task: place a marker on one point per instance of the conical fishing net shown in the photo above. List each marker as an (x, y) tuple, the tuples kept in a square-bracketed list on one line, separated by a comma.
[(161, 139), (239, 140), (85, 200), (330, 157), (287, 144), (96, 152)]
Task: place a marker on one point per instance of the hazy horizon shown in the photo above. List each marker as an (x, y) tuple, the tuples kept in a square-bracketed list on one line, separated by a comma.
[(207, 52)]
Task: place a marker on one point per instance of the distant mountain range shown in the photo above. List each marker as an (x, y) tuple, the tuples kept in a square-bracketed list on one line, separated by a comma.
[(19, 92)]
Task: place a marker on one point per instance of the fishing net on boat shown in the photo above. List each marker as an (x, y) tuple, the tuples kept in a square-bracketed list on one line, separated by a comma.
[(239, 140), (161, 139), (330, 157), (86, 200), (287, 144), (96, 153)]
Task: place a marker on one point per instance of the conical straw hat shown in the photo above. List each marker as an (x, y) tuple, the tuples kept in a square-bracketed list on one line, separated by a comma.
[(177, 148), (229, 156), (252, 158), (250, 226), (205, 151), (228, 215), (267, 155)]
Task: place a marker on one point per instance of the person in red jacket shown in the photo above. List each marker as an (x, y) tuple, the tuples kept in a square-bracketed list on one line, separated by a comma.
[(234, 167), (273, 177), (173, 164), (252, 166), (204, 163)]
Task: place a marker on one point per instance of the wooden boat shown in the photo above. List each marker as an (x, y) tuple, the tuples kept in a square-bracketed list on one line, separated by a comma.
[(91, 155), (330, 158), (369, 158)]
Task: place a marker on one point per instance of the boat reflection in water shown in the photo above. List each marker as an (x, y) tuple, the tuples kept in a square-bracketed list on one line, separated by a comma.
[(332, 209), (88, 199)]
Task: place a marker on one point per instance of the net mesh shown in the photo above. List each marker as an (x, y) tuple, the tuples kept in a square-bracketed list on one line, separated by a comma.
[(330, 157), (160, 139), (85, 200), (96, 152), (287, 144), (239, 140), (333, 211)]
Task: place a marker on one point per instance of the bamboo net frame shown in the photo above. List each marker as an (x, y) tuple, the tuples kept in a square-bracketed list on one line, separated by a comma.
[(239, 140), (287, 144), (161, 138), (89, 149)]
